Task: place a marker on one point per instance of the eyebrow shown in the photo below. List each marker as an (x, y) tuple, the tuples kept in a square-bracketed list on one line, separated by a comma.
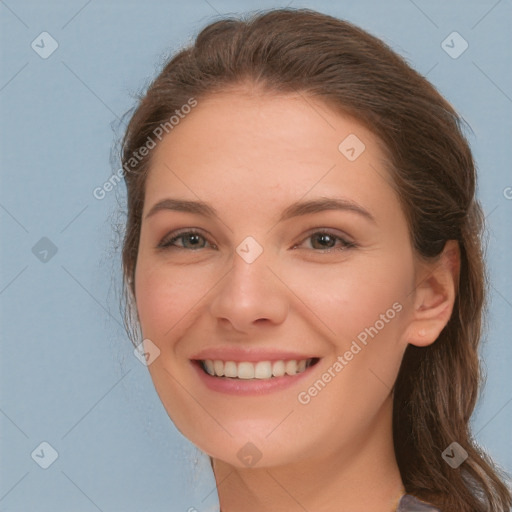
[(296, 209)]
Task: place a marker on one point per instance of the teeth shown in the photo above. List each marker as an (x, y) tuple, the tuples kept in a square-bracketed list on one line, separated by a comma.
[(218, 366), (278, 369), (245, 370), (260, 370), (230, 369), (208, 366), (291, 367)]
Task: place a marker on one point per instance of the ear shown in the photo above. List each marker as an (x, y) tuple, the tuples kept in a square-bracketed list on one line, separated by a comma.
[(436, 289)]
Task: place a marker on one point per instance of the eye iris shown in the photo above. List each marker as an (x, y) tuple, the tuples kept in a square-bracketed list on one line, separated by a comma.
[(192, 236), (325, 237)]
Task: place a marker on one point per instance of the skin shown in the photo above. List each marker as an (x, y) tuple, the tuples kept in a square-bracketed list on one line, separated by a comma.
[(250, 155)]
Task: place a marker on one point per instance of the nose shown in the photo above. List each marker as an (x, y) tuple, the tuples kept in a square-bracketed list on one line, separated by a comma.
[(249, 295)]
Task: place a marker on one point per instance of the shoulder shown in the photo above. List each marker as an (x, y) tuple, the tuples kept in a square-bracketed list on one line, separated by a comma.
[(409, 503)]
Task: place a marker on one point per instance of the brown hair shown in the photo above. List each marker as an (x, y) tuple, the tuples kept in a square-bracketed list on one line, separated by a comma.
[(287, 51)]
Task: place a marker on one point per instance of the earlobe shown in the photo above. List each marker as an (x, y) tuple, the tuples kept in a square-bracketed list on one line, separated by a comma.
[(435, 295)]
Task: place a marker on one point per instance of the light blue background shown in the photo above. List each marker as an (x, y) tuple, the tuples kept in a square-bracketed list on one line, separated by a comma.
[(68, 374)]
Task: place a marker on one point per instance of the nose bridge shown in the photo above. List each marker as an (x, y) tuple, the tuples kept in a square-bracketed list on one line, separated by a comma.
[(250, 292)]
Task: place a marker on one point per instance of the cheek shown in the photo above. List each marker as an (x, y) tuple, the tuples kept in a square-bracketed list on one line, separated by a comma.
[(164, 297), (363, 307), (346, 298)]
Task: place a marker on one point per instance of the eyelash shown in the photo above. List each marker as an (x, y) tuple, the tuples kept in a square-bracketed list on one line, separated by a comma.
[(169, 244)]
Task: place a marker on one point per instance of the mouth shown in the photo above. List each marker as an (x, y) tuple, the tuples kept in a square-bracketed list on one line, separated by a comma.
[(257, 370)]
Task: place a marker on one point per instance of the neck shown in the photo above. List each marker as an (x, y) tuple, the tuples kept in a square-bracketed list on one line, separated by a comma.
[(360, 477)]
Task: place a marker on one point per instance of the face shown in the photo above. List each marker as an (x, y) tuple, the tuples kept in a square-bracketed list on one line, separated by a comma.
[(256, 282)]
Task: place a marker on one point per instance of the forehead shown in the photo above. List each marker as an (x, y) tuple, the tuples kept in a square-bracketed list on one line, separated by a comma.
[(252, 144)]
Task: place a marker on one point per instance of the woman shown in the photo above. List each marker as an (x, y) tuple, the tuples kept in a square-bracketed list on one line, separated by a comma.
[(302, 256)]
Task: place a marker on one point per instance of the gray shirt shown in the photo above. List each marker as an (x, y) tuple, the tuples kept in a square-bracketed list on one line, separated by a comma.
[(409, 503)]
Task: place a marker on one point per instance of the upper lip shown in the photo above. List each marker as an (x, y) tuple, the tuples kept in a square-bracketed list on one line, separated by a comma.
[(241, 354)]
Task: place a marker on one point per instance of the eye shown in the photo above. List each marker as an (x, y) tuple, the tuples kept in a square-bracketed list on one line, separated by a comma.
[(326, 240), (194, 240), (191, 239)]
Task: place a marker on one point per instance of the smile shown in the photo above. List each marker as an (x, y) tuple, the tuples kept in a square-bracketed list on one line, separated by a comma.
[(255, 370)]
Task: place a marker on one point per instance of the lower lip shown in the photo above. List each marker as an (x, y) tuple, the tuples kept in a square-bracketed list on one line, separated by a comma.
[(250, 387)]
